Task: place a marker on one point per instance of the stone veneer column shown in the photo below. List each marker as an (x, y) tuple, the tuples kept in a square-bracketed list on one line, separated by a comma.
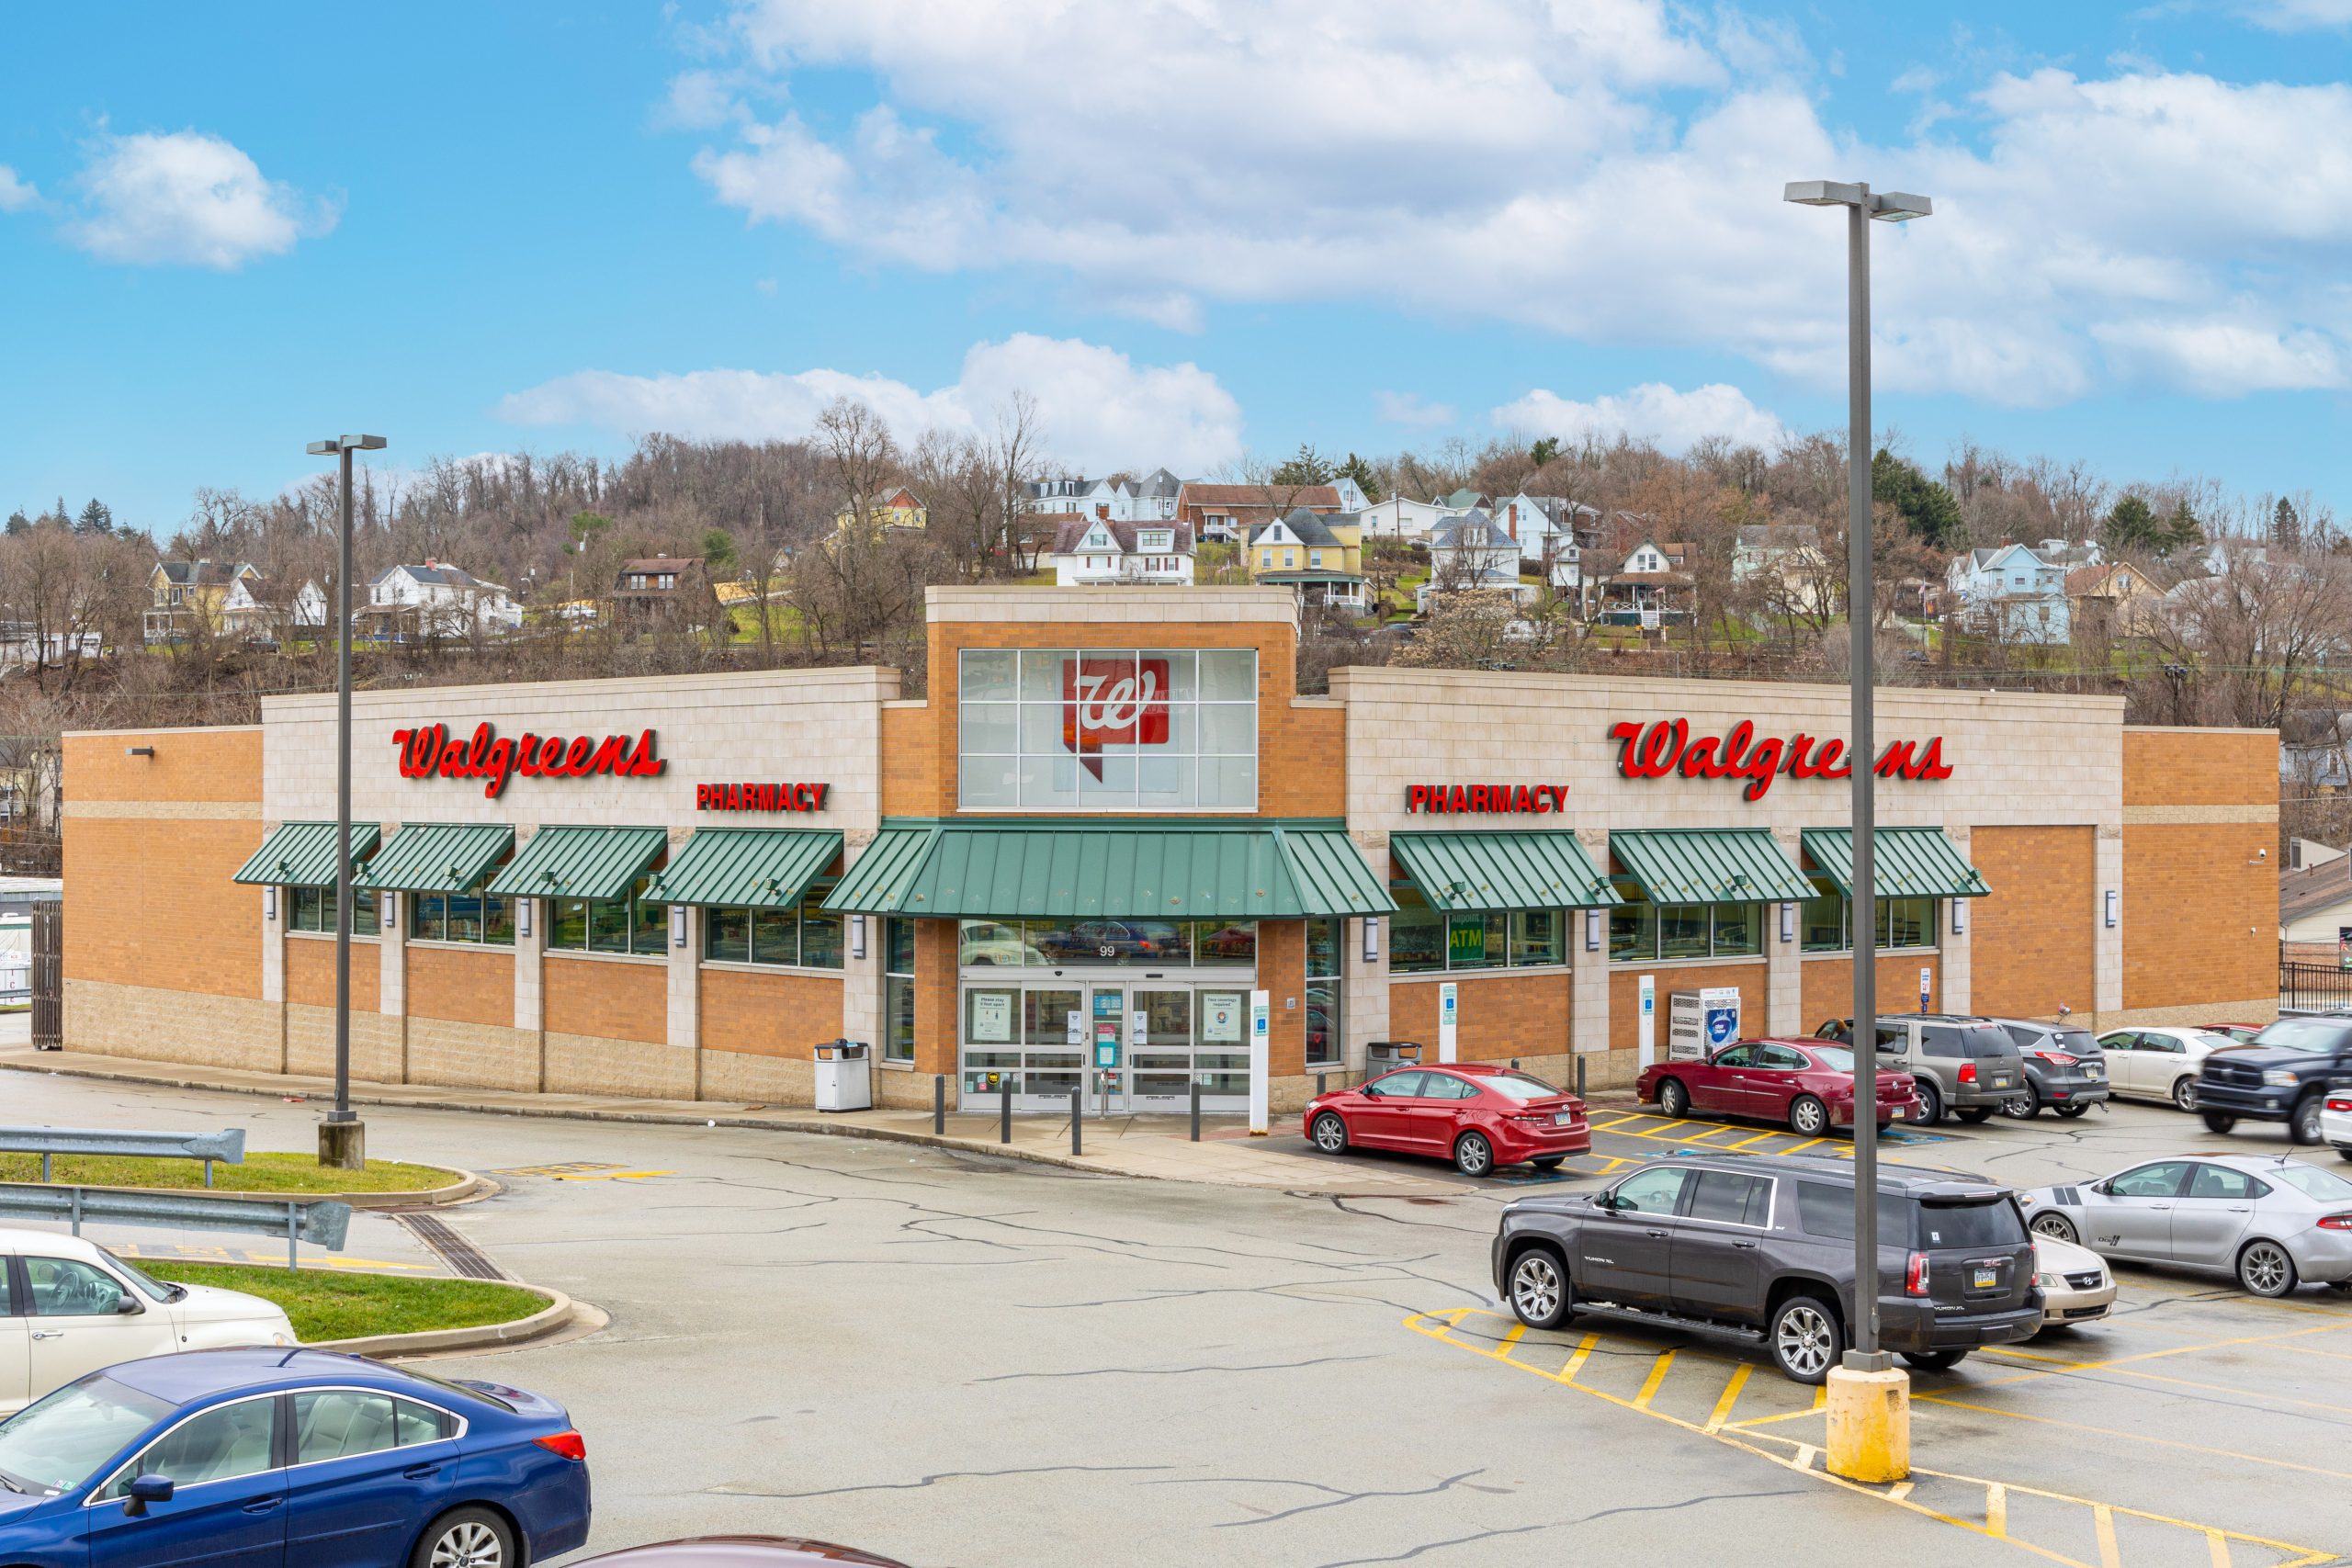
[(1784, 960), (272, 945), (685, 987), (1588, 981), (862, 984), (1952, 970), (2106, 960), (1363, 995), (392, 972), (530, 994)]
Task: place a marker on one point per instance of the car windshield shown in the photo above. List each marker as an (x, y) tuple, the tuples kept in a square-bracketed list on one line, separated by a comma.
[(1518, 1085), (2313, 1183), (1988, 1040), (1837, 1058), (2302, 1034), (155, 1289), (58, 1443), (2081, 1042), (1994, 1223), (464, 1389)]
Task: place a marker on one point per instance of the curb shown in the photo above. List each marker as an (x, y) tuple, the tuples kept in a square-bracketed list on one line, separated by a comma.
[(559, 1313), (466, 1188)]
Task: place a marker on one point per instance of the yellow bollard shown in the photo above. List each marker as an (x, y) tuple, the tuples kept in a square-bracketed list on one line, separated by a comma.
[(1870, 1424)]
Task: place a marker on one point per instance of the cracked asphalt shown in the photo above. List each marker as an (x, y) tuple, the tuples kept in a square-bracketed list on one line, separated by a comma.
[(970, 1363)]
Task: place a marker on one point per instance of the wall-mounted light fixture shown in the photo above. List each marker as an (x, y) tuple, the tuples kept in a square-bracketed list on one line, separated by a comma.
[(270, 903), (1788, 921), (2114, 907), (1592, 930), (1960, 917), (522, 908), (387, 908), (1371, 939), (139, 750), (677, 925), (857, 936)]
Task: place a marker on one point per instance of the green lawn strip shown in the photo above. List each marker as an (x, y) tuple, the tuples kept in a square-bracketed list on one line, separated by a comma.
[(260, 1173), (324, 1303)]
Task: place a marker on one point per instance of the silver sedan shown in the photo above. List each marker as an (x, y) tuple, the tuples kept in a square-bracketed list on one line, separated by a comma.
[(2271, 1220)]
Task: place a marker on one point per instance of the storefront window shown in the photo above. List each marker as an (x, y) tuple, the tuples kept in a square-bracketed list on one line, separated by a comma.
[(897, 991), (727, 935), (1108, 729), (1737, 931), (1422, 941), (1632, 925), (1324, 1040), (471, 915), (1323, 938), (1823, 918), (805, 936), (634, 924), (312, 910), (1682, 931), (1902, 922), (1105, 944), (1416, 933), (1642, 932), (1538, 936)]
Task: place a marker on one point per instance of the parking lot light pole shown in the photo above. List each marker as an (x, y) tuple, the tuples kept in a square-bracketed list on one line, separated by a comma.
[(1870, 1413), (343, 1138)]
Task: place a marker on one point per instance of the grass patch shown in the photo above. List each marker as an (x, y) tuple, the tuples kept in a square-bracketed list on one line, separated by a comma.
[(324, 1304), (260, 1173)]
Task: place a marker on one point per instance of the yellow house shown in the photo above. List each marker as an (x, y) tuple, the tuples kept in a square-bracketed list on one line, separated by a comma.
[(1319, 555), (182, 594), (898, 509)]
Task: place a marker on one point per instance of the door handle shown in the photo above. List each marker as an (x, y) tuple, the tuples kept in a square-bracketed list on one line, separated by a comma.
[(261, 1505), (49, 1334), (1744, 1246), (1655, 1233), (2240, 1209), (419, 1472)]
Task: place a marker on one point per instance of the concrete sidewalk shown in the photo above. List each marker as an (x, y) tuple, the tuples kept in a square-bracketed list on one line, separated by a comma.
[(1155, 1147)]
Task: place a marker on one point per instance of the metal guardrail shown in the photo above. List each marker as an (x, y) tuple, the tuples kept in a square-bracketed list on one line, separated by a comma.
[(320, 1222), (228, 1147), (2313, 988)]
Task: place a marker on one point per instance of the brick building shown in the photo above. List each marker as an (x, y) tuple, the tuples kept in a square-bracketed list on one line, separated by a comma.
[(1111, 824)]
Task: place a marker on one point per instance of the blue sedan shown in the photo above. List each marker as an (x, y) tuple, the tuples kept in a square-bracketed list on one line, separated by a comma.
[(287, 1459)]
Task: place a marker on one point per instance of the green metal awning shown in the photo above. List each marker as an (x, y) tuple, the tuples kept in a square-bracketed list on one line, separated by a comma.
[(764, 868), (580, 863), (1502, 871), (1709, 865), (1906, 863), (440, 857), (1087, 869), (303, 855)]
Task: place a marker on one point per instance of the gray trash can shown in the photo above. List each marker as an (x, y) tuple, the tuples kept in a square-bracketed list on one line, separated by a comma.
[(845, 1076), (1382, 1055)]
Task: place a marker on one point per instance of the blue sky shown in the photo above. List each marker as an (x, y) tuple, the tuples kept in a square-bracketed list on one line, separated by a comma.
[(1187, 232)]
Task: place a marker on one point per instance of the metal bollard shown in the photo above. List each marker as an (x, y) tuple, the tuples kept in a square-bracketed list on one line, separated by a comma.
[(1580, 1077), (939, 1102), (1319, 1083), (1076, 1118), (1514, 1064), (1005, 1116), (1196, 1108)]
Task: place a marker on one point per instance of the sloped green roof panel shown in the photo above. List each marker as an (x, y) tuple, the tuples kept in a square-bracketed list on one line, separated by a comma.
[(580, 863), (438, 857), (1078, 871), (303, 855), (1539, 870), (1905, 862), (763, 868), (1709, 865)]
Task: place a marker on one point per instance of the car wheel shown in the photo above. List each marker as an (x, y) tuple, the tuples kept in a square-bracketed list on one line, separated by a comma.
[(1808, 1118), (2306, 1124), (1673, 1098), (2343, 1153), (1806, 1338), (1931, 1104), (2183, 1093), (1330, 1134), (2218, 1121), (466, 1538), (1935, 1361), (2058, 1227), (2024, 1107), (1473, 1156), (2265, 1269), (1975, 1114), (2070, 1112), (1548, 1162), (1540, 1293)]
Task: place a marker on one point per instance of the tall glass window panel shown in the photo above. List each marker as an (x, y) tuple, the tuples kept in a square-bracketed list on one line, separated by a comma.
[(1823, 917), (898, 946), (1107, 730), (727, 935), (1224, 942), (363, 912), (1739, 930), (465, 915), (308, 903), (429, 915), (567, 923), (1682, 931), (1323, 938), (649, 922), (498, 920), (898, 1018), (1325, 1042), (1632, 931), (1538, 936), (820, 933), (775, 936), (608, 925)]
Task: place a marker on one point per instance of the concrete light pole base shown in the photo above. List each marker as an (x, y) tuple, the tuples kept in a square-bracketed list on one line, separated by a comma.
[(342, 1146), (1870, 1424)]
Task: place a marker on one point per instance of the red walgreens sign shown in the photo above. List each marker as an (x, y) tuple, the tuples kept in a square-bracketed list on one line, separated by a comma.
[(1664, 746), (761, 797), (1112, 702), (1489, 799), (429, 749)]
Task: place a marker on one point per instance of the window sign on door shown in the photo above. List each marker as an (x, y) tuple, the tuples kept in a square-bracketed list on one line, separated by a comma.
[(1221, 1018), (991, 1018)]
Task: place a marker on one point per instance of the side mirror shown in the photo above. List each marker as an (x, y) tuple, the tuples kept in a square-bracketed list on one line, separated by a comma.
[(127, 1304), (146, 1489)]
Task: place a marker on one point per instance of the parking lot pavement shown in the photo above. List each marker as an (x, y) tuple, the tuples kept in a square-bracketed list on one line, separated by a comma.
[(966, 1362)]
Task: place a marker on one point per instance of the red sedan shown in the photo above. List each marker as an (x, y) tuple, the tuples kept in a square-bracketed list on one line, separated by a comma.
[(1808, 1084), (1478, 1114)]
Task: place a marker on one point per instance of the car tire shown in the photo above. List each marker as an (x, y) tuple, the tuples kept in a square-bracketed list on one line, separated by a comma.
[(1541, 1294), (1548, 1162), (2184, 1092), (2218, 1121), (1975, 1115), (2343, 1153), (1473, 1156), (2266, 1269), (1806, 1338), (1808, 1118), (1931, 1103), (1330, 1134), (2056, 1226), (2303, 1125), (2070, 1112), (1673, 1099), (2023, 1106), (473, 1537), (1935, 1361)]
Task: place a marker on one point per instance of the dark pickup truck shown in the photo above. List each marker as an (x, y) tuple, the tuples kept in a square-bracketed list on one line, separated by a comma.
[(2280, 1076), (1763, 1250)]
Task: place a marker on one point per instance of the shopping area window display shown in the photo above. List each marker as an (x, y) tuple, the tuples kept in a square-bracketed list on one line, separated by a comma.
[(1108, 729)]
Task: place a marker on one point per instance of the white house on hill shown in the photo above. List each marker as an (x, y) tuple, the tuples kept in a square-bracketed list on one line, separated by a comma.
[(1094, 552)]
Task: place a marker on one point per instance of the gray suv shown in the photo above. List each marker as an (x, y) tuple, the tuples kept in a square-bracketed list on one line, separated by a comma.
[(1969, 1066), (1763, 1250)]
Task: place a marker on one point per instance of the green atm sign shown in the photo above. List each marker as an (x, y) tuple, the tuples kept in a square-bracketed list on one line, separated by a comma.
[(1466, 940)]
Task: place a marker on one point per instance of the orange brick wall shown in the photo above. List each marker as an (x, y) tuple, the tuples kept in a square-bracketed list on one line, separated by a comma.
[(1281, 974), (2200, 767), (910, 761), (150, 900), (935, 998), (2031, 943), (610, 1000), (769, 1015), (1625, 997), (2201, 900), (462, 987), (309, 973), (1828, 985), (1501, 1016)]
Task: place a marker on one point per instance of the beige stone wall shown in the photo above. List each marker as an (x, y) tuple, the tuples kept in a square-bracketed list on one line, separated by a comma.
[(116, 1020)]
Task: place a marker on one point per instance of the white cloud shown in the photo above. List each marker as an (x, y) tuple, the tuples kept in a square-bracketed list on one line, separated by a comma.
[(187, 198), (2225, 358), (2298, 16), (1410, 408), (1099, 410), (1652, 412), (1609, 171), (16, 192)]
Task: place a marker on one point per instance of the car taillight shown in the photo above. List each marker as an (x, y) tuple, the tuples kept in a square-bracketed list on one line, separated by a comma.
[(2337, 1223), (2334, 1104), (2055, 1059), (1915, 1278), (1968, 1072), (570, 1445)]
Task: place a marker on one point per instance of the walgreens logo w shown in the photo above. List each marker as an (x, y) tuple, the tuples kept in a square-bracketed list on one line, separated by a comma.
[(1112, 702)]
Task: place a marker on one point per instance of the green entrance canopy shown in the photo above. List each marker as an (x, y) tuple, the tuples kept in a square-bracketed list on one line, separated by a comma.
[(1538, 870), (1907, 863), (1087, 869), (580, 863), (440, 857), (303, 855), (1709, 865), (764, 868)]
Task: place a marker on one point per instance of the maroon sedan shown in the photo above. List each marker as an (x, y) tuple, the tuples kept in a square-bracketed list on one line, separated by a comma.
[(1478, 1114), (1808, 1084), (742, 1552)]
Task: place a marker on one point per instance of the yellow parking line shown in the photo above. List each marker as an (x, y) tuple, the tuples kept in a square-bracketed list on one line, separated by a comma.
[(1612, 1126), (1800, 1148), (1806, 1452), (1996, 1510), (1710, 1132), (1509, 1342), (1575, 1362), (1945, 1399), (1760, 1137), (2103, 1520), (1649, 1386), (1899, 1491), (2219, 1545), (1730, 1397)]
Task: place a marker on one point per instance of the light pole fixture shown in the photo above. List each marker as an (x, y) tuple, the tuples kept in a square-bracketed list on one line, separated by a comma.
[(343, 1140), (1863, 205)]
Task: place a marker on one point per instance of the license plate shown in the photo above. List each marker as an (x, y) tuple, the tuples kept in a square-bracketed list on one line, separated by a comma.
[(2001, 1080), (2093, 1072), (1564, 1118), (1896, 1114), (1983, 1278)]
